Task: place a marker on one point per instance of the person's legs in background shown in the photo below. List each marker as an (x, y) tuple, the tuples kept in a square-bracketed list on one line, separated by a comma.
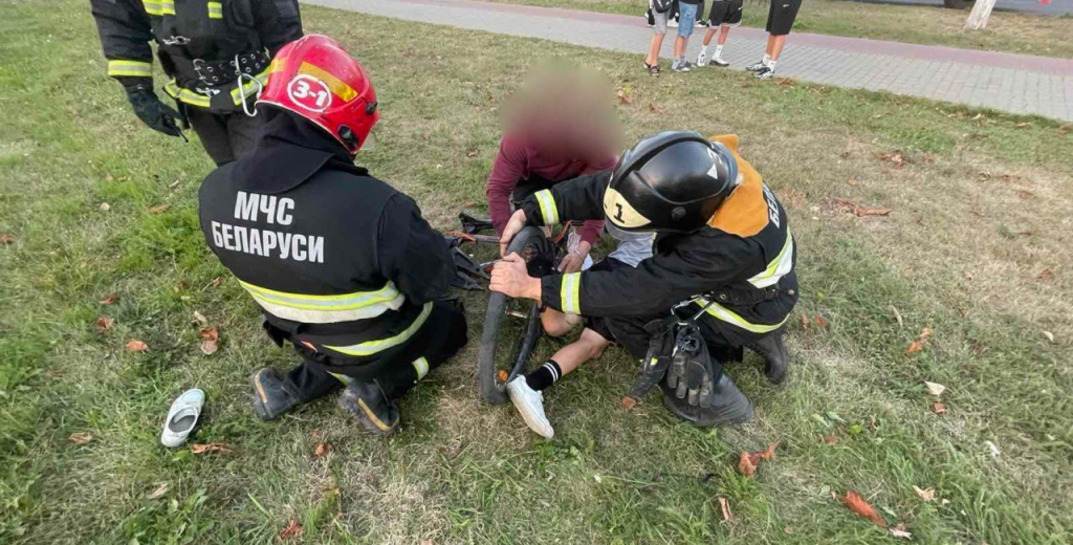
[(724, 15), (781, 17), (659, 30), (685, 30)]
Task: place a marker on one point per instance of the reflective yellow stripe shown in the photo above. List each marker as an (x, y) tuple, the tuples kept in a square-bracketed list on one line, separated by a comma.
[(719, 312), (341, 377), (152, 7), (369, 348), (167, 7), (186, 96), (421, 367), (548, 210), (338, 87), (570, 292), (779, 267), (248, 87), (216, 10), (122, 67), (322, 309)]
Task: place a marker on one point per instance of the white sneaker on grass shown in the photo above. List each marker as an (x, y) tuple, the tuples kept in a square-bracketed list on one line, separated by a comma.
[(530, 404), (702, 59)]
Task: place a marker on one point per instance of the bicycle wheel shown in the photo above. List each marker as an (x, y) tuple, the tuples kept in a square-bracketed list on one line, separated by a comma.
[(539, 254)]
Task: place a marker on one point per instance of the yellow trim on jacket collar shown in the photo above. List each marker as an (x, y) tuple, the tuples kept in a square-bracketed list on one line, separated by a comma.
[(745, 212)]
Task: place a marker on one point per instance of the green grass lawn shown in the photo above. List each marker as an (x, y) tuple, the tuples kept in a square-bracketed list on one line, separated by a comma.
[(975, 248), (1006, 31)]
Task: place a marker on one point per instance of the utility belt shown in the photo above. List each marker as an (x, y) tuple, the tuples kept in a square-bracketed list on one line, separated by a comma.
[(220, 85), (745, 296)]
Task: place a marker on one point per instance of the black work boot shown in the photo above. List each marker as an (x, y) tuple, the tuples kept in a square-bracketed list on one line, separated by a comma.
[(776, 356), (366, 402), (729, 406), (270, 398)]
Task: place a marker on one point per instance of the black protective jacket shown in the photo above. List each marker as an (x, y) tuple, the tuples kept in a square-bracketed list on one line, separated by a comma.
[(197, 43), (742, 262), (338, 260)]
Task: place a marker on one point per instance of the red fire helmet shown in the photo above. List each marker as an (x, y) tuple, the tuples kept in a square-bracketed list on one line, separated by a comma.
[(315, 78)]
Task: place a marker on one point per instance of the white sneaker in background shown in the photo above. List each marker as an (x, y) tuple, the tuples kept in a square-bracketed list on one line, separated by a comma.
[(530, 404)]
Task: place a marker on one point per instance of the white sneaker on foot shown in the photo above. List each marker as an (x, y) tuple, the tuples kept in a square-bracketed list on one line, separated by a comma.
[(702, 59), (530, 404)]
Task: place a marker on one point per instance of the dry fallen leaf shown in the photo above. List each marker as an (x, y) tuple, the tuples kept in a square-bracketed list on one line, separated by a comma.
[(894, 157), (926, 494), (109, 299), (80, 437), (918, 344), (135, 345), (938, 408), (860, 211), (293, 529), (200, 319), (1049, 335), (7, 238), (934, 388), (204, 448), (104, 323), (623, 98), (159, 208), (321, 449), (655, 109), (210, 340), (157, 492), (471, 153), (1046, 275), (900, 531), (217, 281), (749, 461), (105, 207), (859, 505), (821, 321), (724, 506), (830, 439)]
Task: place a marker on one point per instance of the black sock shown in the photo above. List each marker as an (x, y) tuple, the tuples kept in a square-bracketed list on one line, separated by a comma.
[(544, 376)]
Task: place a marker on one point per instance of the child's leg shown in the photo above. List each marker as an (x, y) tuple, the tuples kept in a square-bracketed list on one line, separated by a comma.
[(556, 323), (589, 346)]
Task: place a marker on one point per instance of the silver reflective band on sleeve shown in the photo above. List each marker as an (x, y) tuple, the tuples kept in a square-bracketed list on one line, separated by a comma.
[(548, 211), (369, 348), (570, 293), (719, 312), (421, 367), (327, 309), (779, 267)]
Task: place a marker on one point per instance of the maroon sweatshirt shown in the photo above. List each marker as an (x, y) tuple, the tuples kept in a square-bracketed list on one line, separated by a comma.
[(518, 160)]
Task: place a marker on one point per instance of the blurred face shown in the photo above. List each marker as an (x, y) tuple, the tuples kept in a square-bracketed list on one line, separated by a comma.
[(566, 113)]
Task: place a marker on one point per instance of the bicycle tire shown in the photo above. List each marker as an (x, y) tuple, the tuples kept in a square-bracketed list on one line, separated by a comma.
[(491, 389)]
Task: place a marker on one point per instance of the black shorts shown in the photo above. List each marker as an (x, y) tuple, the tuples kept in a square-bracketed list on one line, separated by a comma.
[(725, 12), (598, 324), (781, 15)]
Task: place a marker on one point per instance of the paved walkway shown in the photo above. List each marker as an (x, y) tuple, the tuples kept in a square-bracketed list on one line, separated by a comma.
[(1003, 81)]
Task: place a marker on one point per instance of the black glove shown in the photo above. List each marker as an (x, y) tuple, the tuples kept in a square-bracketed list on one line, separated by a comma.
[(691, 372), (159, 116)]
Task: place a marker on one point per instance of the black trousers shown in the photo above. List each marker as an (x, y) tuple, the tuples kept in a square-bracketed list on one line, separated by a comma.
[(442, 336), (225, 137)]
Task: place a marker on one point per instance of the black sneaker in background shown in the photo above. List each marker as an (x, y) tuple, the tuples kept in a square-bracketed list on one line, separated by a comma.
[(766, 72)]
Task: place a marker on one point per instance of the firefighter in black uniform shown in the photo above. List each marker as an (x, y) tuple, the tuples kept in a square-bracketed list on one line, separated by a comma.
[(215, 54), (343, 265), (723, 246)]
